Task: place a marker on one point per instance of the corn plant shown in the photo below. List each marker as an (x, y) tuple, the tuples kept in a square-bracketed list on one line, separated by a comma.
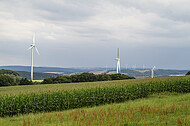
[(64, 100)]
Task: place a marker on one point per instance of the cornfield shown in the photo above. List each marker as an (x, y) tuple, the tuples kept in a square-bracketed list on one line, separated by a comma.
[(64, 100)]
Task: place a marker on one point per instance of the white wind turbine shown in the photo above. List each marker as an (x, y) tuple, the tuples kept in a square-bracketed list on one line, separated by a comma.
[(143, 70), (152, 70), (32, 46), (134, 67), (118, 61)]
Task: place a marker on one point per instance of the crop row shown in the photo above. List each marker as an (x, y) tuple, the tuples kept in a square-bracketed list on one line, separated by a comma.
[(64, 100)]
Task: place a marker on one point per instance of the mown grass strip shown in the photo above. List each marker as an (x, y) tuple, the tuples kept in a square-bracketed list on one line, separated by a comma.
[(64, 100)]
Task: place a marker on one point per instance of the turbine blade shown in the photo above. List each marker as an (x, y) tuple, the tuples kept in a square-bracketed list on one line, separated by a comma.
[(37, 51), (154, 67), (30, 48)]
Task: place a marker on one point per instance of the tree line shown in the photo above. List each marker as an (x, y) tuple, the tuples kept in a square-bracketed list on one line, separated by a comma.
[(85, 77), (12, 78)]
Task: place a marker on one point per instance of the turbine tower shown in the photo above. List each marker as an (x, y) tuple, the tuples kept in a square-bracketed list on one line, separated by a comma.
[(32, 46), (118, 61), (143, 70), (152, 75)]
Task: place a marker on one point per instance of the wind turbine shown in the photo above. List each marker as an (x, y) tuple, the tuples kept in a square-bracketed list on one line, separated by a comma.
[(134, 67), (143, 70), (152, 75), (118, 61), (32, 46), (143, 66)]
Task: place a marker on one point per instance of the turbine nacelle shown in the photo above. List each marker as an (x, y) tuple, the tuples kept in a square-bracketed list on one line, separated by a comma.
[(117, 59), (153, 67), (33, 45)]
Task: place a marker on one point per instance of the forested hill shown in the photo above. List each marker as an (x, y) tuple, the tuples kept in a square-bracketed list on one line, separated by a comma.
[(157, 73), (37, 76), (46, 72), (44, 69)]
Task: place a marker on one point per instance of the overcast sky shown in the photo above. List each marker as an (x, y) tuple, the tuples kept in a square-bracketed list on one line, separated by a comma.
[(87, 33)]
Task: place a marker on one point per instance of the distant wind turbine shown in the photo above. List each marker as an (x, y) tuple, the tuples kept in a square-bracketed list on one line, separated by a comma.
[(143, 70), (143, 66), (152, 70), (126, 66), (118, 61), (134, 66), (32, 46)]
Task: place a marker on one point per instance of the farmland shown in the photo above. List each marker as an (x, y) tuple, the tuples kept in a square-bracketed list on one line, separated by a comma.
[(157, 109), (15, 90), (79, 97)]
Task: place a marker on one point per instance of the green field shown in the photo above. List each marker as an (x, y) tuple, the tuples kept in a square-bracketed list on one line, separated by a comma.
[(156, 107), (25, 89)]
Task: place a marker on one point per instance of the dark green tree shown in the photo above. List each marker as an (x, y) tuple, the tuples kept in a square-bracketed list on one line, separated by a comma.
[(120, 76), (9, 72), (103, 77), (84, 77), (6, 80), (50, 80), (188, 73), (63, 79), (25, 82)]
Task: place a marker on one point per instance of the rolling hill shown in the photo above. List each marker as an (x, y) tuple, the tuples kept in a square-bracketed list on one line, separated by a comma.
[(45, 72)]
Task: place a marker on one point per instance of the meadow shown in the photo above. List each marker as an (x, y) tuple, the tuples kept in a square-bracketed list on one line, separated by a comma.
[(122, 102)]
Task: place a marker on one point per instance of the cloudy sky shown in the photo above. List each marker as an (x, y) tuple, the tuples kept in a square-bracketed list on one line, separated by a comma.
[(86, 33)]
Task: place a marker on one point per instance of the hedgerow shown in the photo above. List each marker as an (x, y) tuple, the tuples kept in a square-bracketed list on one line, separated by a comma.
[(85, 77), (64, 100)]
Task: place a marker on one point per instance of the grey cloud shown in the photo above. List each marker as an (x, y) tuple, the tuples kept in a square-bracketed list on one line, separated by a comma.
[(86, 33), (64, 10), (177, 10)]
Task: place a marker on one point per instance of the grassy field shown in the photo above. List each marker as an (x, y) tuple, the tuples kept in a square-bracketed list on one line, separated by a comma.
[(158, 109), (37, 81), (15, 90), (170, 109)]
